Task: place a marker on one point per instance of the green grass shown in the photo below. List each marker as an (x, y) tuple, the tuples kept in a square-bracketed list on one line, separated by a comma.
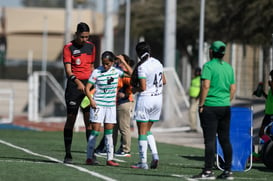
[(176, 162)]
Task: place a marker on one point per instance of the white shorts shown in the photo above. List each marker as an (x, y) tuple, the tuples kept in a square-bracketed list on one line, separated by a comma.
[(148, 108), (103, 115)]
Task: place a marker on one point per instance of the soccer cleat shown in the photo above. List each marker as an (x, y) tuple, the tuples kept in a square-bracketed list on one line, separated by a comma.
[(227, 175), (205, 175), (154, 164), (68, 158), (140, 166), (112, 163), (122, 154)]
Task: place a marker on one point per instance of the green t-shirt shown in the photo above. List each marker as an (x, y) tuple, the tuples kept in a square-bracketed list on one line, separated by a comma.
[(221, 76), (269, 103)]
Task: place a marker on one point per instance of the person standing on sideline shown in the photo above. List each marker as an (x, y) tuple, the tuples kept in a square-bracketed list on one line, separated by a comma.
[(125, 103), (217, 91), (268, 117), (194, 99), (148, 80), (103, 104), (78, 59)]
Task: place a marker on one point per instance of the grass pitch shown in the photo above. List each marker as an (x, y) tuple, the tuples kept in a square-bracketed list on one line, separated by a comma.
[(35, 155)]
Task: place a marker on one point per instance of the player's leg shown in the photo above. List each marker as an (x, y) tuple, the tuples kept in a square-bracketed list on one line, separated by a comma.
[(92, 143), (153, 147), (73, 99), (110, 121), (68, 134), (86, 117)]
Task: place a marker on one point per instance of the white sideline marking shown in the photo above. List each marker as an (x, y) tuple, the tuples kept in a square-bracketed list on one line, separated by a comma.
[(59, 161), (185, 177), (25, 161)]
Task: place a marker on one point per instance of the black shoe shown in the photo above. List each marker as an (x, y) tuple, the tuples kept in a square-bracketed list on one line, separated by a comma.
[(227, 175), (122, 154), (206, 175), (68, 158)]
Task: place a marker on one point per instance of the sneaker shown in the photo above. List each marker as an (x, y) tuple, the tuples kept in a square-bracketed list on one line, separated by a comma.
[(227, 175), (90, 161), (68, 158), (206, 175), (154, 164), (140, 166), (123, 154), (112, 163)]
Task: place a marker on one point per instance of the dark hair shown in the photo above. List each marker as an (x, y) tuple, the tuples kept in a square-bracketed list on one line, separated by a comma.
[(217, 55), (82, 27), (143, 48), (109, 55), (197, 71)]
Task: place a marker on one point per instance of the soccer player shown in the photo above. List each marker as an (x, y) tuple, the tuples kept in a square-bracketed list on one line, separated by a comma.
[(148, 80), (78, 59), (103, 104)]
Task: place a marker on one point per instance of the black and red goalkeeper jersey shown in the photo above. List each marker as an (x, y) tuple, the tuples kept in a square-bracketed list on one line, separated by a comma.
[(80, 57)]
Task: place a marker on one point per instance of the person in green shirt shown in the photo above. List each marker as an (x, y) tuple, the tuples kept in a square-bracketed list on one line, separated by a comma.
[(217, 91), (268, 117)]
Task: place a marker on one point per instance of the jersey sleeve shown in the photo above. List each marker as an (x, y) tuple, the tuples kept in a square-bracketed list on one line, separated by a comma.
[(141, 72), (93, 77), (66, 54), (206, 72)]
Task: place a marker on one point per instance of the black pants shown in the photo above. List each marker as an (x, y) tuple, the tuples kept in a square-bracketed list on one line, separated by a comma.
[(216, 120)]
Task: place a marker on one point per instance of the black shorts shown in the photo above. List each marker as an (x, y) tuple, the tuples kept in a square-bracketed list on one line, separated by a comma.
[(74, 97)]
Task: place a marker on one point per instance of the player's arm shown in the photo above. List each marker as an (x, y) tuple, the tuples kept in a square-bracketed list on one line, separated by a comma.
[(127, 66), (232, 91), (87, 90), (142, 86), (164, 81), (204, 92)]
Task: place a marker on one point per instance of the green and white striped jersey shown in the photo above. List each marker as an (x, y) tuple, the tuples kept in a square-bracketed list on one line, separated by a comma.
[(106, 83)]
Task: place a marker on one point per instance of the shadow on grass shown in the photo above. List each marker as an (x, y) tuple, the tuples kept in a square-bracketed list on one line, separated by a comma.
[(261, 167), (196, 158)]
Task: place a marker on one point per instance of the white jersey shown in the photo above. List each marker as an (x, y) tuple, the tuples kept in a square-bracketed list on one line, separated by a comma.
[(152, 71), (106, 83)]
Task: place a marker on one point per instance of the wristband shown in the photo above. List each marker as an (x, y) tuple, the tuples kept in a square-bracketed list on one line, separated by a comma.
[(72, 77)]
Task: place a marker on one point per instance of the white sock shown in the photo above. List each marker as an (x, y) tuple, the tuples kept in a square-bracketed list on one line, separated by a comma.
[(142, 146), (109, 146), (152, 146), (91, 145)]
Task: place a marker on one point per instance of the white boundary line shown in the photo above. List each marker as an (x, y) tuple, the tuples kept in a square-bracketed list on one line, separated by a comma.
[(59, 161)]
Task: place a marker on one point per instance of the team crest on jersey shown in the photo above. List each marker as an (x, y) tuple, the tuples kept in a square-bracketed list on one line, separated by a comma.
[(75, 52), (78, 61)]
